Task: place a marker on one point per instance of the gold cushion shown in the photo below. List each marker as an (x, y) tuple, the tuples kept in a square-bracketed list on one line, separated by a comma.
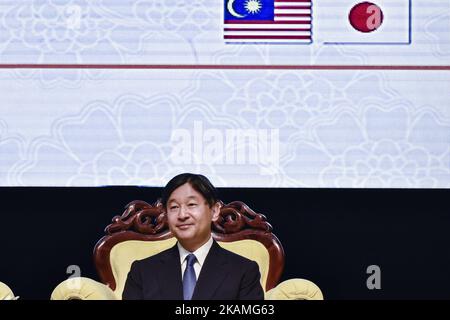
[(81, 288), (5, 292), (123, 254), (295, 289)]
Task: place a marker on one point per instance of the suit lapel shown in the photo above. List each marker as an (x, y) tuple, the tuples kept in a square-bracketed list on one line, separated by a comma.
[(212, 274), (170, 280)]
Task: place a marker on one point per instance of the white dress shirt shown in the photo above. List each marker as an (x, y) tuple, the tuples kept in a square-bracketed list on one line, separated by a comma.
[(200, 254)]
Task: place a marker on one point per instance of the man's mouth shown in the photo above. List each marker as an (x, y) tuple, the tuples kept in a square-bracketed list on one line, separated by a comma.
[(184, 226)]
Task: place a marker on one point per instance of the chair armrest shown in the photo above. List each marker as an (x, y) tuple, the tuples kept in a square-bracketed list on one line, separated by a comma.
[(6, 293), (295, 289), (80, 288)]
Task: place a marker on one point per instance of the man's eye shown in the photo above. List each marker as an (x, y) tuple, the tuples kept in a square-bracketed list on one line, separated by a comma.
[(173, 207), (192, 204)]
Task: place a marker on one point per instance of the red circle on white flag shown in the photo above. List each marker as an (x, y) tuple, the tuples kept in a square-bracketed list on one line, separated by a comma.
[(366, 17)]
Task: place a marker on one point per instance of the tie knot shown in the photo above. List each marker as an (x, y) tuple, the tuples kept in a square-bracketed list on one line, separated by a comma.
[(191, 259)]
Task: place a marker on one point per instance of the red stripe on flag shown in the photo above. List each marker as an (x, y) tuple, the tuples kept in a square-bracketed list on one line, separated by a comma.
[(266, 22), (300, 1), (293, 7), (265, 29), (268, 37), (292, 14)]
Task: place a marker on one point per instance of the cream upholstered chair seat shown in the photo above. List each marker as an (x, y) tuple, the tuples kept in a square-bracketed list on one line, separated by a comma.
[(142, 231), (5, 292)]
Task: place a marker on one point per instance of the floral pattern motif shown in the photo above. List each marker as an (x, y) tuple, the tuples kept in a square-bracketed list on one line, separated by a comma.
[(330, 135), (336, 128)]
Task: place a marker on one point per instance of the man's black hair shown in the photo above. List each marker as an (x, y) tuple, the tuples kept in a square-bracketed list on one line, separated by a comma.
[(198, 182)]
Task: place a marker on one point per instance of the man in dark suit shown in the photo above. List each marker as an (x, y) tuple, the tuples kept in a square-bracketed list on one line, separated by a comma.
[(196, 267)]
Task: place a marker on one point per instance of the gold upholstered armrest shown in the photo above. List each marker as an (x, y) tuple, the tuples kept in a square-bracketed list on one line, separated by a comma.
[(6, 293), (295, 289), (82, 289)]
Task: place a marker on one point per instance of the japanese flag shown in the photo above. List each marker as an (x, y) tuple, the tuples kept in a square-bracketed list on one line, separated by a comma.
[(362, 22)]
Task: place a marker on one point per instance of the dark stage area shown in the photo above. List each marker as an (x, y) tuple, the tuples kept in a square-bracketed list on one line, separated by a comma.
[(330, 236)]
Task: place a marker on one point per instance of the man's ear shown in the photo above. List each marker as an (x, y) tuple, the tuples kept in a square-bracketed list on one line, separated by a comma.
[(215, 211)]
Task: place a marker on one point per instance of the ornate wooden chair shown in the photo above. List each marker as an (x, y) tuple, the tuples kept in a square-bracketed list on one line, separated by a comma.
[(142, 231)]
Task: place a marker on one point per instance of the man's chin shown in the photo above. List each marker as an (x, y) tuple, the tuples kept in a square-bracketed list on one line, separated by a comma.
[(184, 234)]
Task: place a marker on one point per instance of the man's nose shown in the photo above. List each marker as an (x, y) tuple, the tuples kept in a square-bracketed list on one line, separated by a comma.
[(183, 213)]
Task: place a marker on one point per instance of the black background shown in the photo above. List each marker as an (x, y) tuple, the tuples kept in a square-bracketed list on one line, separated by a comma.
[(330, 236)]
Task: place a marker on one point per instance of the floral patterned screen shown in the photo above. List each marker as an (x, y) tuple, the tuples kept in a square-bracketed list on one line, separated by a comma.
[(132, 92)]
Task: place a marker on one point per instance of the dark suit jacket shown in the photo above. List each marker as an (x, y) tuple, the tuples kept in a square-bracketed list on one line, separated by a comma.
[(224, 276)]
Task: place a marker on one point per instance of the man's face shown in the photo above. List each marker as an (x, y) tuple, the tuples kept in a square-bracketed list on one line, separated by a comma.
[(189, 216)]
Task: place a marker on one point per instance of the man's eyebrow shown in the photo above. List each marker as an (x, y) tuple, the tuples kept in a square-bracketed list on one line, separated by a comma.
[(190, 197), (171, 200)]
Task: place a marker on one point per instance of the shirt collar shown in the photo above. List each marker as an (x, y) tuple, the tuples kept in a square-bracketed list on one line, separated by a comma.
[(200, 253)]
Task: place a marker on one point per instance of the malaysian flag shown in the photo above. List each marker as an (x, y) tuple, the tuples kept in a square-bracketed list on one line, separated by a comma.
[(267, 21)]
